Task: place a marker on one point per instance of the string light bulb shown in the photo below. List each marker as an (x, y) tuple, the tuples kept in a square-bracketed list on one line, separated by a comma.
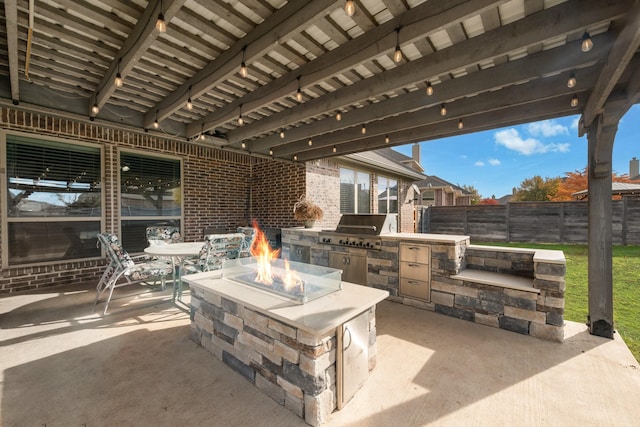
[(271, 151), (202, 136), (338, 116), (572, 81), (574, 101), (295, 157), (118, 80), (386, 139), (189, 103), (349, 7), (460, 124), (155, 122), (243, 67), (202, 132), (397, 55), (429, 89), (587, 43), (299, 92), (240, 119), (95, 109), (364, 129), (161, 25), (310, 142), (335, 149), (443, 110), (244, 145), (281, 133)]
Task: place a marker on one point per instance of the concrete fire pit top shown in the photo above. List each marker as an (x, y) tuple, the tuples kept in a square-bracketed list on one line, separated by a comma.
[(317, 317)]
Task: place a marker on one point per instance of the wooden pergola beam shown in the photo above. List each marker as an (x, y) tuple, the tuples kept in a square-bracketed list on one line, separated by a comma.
[(143, 35), (543, 63), (285, 21), (625, 46), (522, 33), (499, 114), (356, 51), (11, 18)]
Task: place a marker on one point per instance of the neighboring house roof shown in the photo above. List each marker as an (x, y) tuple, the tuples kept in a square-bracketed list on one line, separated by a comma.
[(505, 199), (396, 156), (388, 160), (617, 189), (432, 181)]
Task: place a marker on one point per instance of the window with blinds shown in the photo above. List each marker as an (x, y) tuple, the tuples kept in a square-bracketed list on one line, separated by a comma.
[(150, 195), (54, 200), (355, 191)]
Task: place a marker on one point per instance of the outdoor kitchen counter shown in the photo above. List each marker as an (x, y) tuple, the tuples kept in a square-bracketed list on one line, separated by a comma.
[(317, 317), (294, 353)]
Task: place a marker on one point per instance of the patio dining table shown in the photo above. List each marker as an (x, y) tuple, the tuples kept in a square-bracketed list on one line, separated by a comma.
[(178, 252)]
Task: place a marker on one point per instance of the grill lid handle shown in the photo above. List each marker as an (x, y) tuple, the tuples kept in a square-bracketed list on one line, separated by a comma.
[(359, 227)]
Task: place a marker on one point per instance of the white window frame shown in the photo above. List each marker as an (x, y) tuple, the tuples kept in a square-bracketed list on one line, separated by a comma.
[(142, 153)]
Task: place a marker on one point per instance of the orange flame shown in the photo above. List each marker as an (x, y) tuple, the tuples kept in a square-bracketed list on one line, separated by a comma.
[(291, 280), (262, 252)]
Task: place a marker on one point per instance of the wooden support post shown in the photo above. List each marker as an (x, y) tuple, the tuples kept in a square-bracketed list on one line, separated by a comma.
[(601, 138)]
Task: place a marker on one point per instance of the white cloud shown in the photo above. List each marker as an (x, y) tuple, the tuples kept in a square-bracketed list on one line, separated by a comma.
[(464, 156), (547, 128), (511, 139), (494, 162), (479, 163)]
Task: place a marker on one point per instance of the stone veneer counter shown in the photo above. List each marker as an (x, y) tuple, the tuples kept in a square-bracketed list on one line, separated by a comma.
[(287, 350)]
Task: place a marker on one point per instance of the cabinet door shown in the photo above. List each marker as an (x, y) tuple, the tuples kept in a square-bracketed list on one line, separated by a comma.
[(353, 357), (353, 266), (300, 253)]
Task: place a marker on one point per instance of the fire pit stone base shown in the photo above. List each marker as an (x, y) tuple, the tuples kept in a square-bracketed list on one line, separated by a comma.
[(290, 365)]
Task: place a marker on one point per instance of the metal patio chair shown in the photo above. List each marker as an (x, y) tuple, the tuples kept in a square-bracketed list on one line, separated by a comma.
[(217, 248), (131, 270), (163, 235), (249, 236)]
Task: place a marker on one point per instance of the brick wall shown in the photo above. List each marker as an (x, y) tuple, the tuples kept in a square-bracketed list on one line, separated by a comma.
[(323, 188), (217, 190), (221, 189)]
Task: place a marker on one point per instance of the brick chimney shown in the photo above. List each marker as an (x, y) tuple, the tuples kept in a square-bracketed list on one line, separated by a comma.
[(415, 153), (634, 168)]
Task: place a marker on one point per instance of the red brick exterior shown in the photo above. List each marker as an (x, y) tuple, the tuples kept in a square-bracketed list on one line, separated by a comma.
[(221, 189)]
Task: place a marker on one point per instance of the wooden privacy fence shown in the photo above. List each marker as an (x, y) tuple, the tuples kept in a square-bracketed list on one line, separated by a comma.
[(539, 222)]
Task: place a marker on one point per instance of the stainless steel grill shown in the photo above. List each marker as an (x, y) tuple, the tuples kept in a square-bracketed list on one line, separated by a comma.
[(360, 230)]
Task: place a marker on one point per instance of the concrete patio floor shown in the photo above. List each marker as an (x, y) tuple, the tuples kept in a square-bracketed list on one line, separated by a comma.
[(62, 365)]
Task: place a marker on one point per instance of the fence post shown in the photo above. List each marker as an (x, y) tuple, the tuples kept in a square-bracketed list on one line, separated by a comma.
[(624, 220), (508, 223), (561, 222)]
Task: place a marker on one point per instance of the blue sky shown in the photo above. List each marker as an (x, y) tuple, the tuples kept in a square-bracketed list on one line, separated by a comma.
[(496, 161)]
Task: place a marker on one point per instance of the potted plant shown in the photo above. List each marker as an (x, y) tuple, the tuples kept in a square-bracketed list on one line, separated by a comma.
[(306, 211)]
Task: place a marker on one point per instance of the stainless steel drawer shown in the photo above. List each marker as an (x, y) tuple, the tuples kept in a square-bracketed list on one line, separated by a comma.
[(415, 289), (415, 271), (415, 253)]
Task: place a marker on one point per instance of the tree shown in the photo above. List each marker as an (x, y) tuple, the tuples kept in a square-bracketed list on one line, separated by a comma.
[(571, 183), (578, 180), (475, 195), (537, 189), (489, 201)]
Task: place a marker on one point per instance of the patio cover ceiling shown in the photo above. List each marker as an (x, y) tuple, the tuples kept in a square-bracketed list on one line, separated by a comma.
[(490, 63)]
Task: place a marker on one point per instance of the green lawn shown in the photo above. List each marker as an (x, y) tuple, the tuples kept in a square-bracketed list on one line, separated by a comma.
[(626, 287)]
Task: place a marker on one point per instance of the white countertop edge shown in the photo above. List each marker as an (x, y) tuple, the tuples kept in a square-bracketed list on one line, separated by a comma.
[(427, 238), (319, 317)]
